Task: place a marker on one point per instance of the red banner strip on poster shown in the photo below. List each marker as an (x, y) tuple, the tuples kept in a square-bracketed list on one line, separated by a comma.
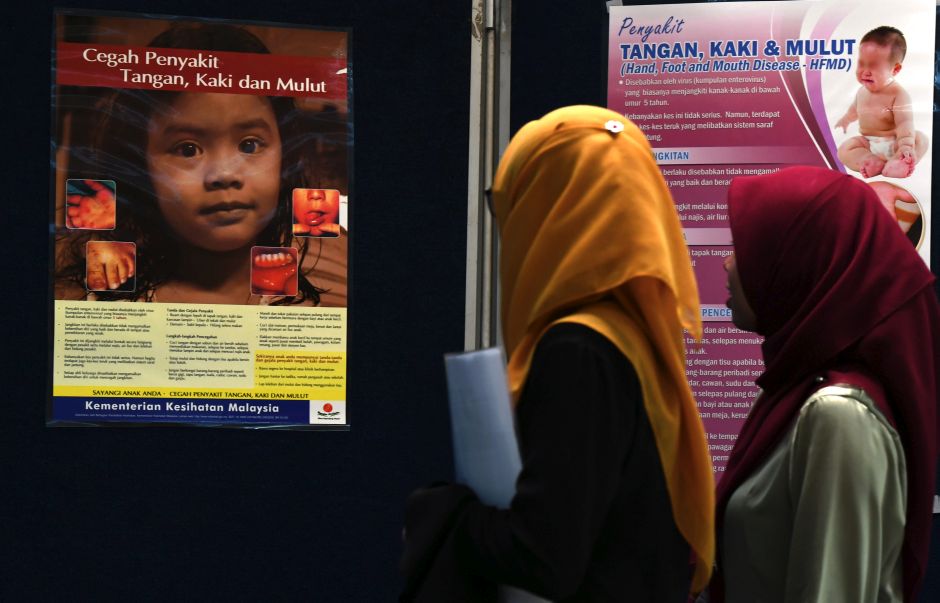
[(180, 70)]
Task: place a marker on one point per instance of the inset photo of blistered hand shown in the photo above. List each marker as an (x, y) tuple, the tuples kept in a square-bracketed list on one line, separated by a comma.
[(274, 271), (316, 212), (90, 204), (110, 265), (903, 207)]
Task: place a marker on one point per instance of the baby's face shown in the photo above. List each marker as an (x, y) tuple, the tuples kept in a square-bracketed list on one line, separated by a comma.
[(215, 164), (875, 69), (314, 207)]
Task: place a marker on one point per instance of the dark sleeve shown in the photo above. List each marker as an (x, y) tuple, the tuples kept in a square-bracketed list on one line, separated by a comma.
[(575, 421), (430, 563)]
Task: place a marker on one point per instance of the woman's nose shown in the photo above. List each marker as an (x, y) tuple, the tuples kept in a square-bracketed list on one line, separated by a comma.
[(222, 172)]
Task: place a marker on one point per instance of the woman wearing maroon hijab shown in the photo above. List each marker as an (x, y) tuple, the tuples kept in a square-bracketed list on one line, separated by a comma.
[(827, 495)]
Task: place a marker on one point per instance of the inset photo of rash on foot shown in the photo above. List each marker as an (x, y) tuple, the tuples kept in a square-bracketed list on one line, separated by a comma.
[(316, 212), (110, 266), (90, 204), (274, 271)]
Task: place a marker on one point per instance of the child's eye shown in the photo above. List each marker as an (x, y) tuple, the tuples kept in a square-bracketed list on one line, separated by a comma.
[(250, 146), (186, 149)]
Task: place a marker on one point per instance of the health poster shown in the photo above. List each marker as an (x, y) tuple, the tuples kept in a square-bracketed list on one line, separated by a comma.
[(199, 222), (747, 88)]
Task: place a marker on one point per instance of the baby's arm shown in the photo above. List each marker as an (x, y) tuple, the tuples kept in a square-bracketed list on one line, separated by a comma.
[(850, 115), (904, 124)]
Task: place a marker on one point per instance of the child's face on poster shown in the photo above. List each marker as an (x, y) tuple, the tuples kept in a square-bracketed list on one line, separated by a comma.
[(215, 164), (875, 69)]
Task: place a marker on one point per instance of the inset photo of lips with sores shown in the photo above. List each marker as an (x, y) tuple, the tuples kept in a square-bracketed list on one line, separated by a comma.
[(316, 212), (273, 271)]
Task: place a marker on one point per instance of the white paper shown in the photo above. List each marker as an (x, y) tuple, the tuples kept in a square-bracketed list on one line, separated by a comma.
[(486, 453)]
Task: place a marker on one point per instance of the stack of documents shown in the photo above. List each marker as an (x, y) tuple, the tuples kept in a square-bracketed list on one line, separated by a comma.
[(486, 454)]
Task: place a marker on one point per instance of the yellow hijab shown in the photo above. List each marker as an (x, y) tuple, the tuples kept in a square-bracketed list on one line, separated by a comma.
[(590, 235)]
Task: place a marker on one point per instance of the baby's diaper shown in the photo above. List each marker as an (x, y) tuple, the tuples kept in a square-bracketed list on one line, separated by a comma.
[(882, 146)]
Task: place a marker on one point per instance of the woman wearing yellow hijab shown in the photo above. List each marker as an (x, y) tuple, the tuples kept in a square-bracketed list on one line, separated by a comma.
[(616, 491)]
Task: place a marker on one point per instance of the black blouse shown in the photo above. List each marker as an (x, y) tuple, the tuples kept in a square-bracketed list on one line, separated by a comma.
[(591, 519)]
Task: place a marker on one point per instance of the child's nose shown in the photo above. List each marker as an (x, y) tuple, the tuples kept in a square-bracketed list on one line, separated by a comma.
[(223, 172)]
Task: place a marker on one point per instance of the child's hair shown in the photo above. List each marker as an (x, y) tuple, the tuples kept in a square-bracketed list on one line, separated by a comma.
[(117, 151), (886, 35)]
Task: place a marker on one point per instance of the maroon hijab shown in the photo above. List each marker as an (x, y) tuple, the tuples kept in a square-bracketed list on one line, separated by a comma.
[(841, 296)]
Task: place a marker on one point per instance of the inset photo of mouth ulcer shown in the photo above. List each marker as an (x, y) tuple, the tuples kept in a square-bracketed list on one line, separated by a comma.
[(316, 212), (274, 271)]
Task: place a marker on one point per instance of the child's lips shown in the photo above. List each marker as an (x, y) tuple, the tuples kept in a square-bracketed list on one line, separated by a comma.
[(226, 206), (227, 212), (274, 273), (315, 218), (273, 260)]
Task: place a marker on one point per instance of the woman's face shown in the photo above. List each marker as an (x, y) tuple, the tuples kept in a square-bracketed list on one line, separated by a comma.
[(742, 315), (314, 208), (215, 165)]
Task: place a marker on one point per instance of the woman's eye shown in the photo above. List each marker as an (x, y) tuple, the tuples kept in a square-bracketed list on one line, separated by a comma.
[(251, 146), (186, 149)]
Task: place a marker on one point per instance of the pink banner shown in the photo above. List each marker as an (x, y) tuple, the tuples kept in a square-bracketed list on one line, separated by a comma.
[(744, 89)]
